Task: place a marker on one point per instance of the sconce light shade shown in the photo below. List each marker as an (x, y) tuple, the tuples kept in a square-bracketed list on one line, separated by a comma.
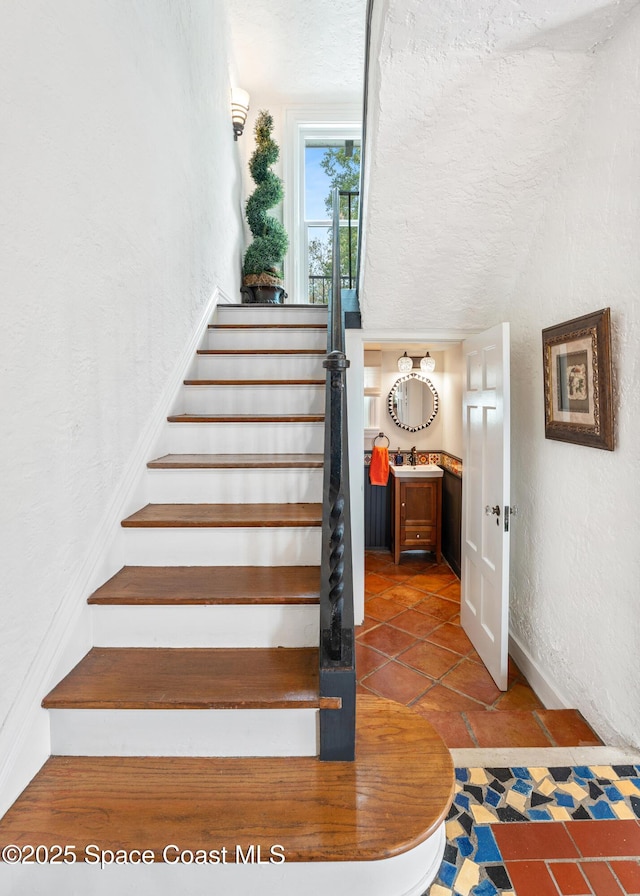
[(405, 364), (427, 364), (239, 109)]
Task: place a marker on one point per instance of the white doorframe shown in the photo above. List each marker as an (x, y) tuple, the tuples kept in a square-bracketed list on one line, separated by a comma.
[(355, 341)]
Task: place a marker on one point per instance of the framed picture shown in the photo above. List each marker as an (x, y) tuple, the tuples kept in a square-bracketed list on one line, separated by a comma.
[(578, 404)]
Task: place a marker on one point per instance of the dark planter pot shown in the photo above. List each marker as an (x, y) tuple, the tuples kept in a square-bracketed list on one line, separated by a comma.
[(262, 295)]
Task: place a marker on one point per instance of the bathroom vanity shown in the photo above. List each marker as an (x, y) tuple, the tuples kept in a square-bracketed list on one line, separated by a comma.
[(416, 501)]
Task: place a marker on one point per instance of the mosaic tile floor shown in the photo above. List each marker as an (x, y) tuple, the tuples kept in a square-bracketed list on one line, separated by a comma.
[(564, 831), (412, 649)]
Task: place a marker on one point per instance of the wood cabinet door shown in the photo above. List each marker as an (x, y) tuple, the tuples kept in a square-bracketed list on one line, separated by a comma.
[(418, 504)]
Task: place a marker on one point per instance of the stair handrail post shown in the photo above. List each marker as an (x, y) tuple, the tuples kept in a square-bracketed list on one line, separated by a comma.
[(337, 649)]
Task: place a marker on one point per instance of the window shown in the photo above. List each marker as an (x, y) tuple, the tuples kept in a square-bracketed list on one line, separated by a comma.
[(326, 152)]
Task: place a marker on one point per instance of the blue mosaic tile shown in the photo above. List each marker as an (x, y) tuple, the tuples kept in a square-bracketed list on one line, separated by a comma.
[(487, 847), (523, 787), (486, 888), (448, 874), (602, 810), (540, 815), (543, 789)]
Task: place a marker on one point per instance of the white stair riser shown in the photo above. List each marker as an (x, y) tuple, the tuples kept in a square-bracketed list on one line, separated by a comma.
[(245, 438), (259, 367), (285, 399), (266, 338), (238, 625), (235, 486), (287, 314), (184, 732), (407, 874), (222, 547)]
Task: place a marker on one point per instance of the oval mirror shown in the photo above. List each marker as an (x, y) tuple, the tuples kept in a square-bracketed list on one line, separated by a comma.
[(413, 402)]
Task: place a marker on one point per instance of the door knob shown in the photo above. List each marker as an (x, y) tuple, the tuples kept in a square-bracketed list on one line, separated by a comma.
[(491, 510)]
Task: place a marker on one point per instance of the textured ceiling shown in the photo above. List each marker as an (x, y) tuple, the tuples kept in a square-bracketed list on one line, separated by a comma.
[(477, 114), (300, 50)]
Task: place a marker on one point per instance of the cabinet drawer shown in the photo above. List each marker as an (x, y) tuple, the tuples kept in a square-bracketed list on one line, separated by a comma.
[(417, 535)]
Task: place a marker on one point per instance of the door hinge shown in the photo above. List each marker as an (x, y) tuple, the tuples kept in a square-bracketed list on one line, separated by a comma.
[(508, 513)]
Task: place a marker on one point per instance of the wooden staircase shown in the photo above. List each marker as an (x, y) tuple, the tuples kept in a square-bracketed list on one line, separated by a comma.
[(191, 725)]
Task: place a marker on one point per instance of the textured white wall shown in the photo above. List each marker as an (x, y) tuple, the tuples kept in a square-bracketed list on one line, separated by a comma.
[(120, 216), (461, 149), (576, 563), (503, 171)]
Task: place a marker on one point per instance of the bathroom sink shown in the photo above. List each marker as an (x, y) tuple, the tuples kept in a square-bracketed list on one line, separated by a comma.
[(421, 471)]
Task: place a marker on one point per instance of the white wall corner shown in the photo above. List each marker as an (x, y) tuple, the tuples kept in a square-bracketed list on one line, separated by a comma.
[(25, 736), (546, 689)]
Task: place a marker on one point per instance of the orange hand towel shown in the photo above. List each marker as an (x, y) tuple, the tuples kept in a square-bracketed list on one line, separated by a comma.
[(379, 468)]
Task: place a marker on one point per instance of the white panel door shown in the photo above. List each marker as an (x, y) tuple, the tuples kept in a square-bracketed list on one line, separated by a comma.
[(484, 609)]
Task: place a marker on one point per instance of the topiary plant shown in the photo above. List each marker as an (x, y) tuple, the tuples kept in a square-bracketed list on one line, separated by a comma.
[(263, 258)]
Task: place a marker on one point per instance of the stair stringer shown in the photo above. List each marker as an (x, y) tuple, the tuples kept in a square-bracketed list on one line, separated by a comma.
[(25, 737)]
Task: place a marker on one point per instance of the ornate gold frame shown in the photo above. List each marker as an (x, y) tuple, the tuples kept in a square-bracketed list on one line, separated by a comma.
[(579, 410)]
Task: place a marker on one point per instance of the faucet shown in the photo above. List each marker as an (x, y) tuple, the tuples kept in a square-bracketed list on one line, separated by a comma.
[(413, 460)]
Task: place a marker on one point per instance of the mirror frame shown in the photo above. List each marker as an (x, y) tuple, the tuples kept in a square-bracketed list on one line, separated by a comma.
[(394, 389)]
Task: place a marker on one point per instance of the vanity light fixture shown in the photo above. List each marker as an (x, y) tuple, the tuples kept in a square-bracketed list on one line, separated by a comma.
[(405, 364), (239, 109), (427, 364)]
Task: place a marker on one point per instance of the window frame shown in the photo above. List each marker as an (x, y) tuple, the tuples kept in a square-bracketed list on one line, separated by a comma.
[(331, 122)]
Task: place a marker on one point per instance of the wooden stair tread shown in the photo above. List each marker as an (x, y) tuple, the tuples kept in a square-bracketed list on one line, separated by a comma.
[(167, 585), (389, 800), (267, 327), (262, 351), (246, 418), (236, 461), (224, 516), (254, 382), (195, 678)]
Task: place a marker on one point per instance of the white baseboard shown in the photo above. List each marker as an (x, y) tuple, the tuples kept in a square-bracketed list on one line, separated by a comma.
[(25, 736), (545, 688)]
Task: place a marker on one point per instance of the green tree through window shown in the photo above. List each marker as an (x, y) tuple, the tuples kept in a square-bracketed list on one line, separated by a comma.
[(341, 165)]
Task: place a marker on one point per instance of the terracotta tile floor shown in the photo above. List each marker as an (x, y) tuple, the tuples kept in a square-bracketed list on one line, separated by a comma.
[(412, 649), (510, 832)]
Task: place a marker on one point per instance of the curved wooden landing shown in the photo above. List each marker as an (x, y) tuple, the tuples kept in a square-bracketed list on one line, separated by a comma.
[(391, 800)]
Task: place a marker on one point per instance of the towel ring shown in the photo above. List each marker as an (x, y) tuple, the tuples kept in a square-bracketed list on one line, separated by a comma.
[(381, 435)]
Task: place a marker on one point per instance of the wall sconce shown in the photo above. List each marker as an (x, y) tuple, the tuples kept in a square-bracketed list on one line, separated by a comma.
[(427, 364), (405, 363), (239, 109)]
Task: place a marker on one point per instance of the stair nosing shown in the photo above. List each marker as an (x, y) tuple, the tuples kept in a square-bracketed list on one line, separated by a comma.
[(269, 516), (246, 418), (245, 327), (275, 586), (158, 677), (238, 462), (275, 352), (282, 382)]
